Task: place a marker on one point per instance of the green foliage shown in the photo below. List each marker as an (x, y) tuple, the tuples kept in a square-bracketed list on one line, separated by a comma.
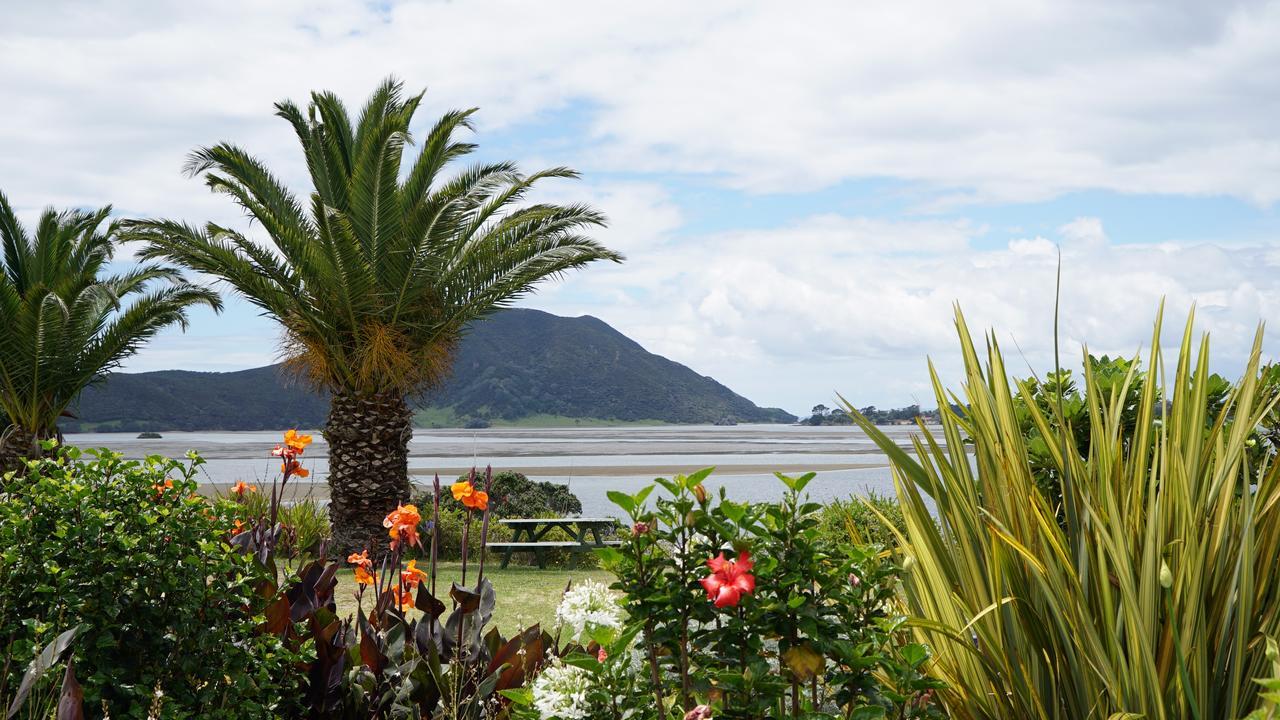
[(511, 495), (861, 520), (37, 696), (65, 323), (451, 526), (1119, 383), (304, 522), (515, 495), (1147, 590), (823, 415), (808, 640), (1269, 700), (129, 552)]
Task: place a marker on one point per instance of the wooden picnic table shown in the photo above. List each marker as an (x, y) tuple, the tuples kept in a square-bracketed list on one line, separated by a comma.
[(533, 530)]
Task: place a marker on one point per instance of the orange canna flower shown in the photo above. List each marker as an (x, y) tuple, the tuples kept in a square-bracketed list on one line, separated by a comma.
[(361, 558), (402, 525), (412, 575), (294, 445), (295, 441), (240, 488), (405, 599), (293, 467), (466, 493), (239, 528), (462, 490), (362, 575), (408, 535), (402, 515), (478, 500)]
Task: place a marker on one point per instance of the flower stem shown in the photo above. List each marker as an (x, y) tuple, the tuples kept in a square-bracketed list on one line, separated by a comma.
[(435, 532), (484, 526), (466, 540)]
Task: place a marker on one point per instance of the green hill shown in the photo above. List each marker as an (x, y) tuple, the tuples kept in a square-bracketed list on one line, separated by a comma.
[(519, 367)]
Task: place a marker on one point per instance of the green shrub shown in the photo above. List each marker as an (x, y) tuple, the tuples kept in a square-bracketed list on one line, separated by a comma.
[(452, 522), (749, 609), (512, 495), (515, 495), (127, 550), (855, 519)]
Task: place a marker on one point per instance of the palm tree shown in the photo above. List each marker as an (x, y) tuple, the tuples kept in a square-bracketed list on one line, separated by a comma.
[(375, 281), (65, 326)]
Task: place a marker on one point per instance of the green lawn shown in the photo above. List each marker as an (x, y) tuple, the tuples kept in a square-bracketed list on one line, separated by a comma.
[(526, 595)]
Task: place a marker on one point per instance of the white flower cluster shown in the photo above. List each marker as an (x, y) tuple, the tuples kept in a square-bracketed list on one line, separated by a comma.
[(589, 606), (560, 692)]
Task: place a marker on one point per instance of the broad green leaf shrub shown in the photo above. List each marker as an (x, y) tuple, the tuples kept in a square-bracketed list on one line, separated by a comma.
[(127, 550), (514, 495), (752, 611)]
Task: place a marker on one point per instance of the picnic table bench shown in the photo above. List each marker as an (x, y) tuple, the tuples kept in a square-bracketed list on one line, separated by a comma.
[(533, 530)]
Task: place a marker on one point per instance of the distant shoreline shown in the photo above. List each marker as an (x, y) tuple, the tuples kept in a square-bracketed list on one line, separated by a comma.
[(655, 470), (569, 423), (420, 478)]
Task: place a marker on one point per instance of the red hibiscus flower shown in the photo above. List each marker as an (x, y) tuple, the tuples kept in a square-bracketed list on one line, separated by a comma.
[(729, 579)]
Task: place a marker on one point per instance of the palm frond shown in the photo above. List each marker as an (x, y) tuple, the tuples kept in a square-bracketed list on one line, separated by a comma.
[(377, 278), (66, 324)]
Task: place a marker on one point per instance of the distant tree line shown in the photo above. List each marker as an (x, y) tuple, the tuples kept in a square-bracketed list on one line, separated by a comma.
[(823, 415)]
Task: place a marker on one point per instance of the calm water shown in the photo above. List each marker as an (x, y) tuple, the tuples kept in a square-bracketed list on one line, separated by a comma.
[(589, 460)]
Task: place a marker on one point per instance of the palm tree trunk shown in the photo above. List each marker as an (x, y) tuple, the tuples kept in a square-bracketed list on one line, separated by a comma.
[(368, 438), (17, 445)]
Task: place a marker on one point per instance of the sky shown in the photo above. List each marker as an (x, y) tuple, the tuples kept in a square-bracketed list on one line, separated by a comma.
[(804, 190)]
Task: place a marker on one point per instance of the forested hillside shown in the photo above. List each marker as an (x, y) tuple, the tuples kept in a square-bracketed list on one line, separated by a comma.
[(517, 365)]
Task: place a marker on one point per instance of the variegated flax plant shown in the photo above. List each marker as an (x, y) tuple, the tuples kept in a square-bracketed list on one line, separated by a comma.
[(1151, 592)]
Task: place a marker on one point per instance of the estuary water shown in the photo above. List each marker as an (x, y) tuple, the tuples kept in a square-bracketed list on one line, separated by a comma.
[(590, 460)]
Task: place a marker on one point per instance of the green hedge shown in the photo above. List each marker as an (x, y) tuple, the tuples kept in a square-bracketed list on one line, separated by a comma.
[(129, 551)]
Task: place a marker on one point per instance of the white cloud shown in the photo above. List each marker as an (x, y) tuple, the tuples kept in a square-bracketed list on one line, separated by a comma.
[(1007, 100), (792, 315), (1000, 100)]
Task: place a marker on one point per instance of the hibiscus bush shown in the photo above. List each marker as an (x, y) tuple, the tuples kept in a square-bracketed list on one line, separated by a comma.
[(740, 610), (127, 552)]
